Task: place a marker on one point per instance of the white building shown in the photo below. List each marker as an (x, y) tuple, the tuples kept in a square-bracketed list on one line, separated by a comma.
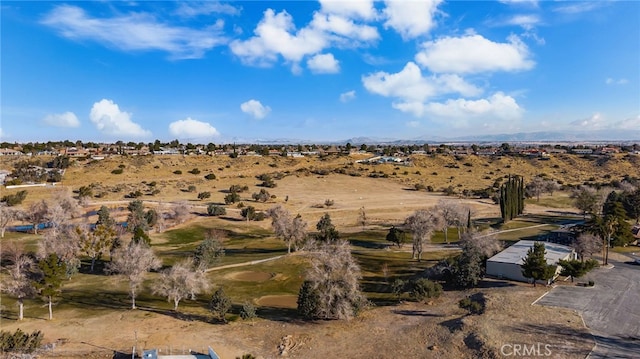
[(506, 264)]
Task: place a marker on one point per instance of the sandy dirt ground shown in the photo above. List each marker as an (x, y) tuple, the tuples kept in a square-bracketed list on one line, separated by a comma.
[(438, 329)]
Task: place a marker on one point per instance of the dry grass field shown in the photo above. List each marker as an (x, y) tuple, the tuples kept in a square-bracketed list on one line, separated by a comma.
[(93, 320)]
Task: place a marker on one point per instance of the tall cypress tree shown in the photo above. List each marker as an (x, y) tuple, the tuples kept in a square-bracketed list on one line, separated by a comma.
[(512, 198)]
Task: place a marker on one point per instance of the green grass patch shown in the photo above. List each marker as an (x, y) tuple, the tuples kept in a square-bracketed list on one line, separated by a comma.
[(555, 201), (628, 249)]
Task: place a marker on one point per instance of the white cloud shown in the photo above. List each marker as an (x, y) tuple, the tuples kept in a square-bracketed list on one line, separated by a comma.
[(190, 128), (345, 27), (410, 19), (632, 123), (578, 7), (533, 3), (473, 54), (67, 119), (1, 133), (610, 81), (192, 9), (255, 109), (108, 119), (134, 32), (347, 96), (527, 22), (324, 64), (595, 122), (276, 35), (410, 86), (413, 124), (497, 106), (363, 9)]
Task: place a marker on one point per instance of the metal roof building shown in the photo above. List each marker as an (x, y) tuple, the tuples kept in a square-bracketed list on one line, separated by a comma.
[(506, 264), (153, 354)]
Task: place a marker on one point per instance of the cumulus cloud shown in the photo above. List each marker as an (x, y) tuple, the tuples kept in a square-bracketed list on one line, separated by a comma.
[(410, 86), (67, 119), (323, 64), (498, 106), (410, 19), (255, 109), (190, 128), (363, 9), (347, 96), (473, 54), (527, 22), (109, 120), (276, 35), (134, 32)]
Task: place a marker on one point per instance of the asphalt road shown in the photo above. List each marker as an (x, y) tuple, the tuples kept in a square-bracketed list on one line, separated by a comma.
[(611, 309)]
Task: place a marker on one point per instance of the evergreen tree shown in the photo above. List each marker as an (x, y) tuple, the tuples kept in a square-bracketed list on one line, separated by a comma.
[(52, 272), (512, 198), (326, 230), (535, 264)]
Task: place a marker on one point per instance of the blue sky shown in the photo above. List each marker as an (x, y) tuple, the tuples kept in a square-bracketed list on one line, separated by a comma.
[(330, 70)]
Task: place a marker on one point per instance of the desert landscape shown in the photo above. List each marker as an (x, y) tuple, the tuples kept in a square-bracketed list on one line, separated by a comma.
[(92, 315)]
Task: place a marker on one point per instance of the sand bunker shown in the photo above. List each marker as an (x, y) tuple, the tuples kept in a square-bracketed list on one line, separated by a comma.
[(278, 301), (251, 276)]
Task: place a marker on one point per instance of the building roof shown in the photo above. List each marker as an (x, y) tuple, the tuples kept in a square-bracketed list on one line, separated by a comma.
[(516, 253)]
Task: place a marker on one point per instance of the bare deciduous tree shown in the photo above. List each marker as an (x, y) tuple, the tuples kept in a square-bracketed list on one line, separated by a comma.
[(421, 223), (181, 281), (362, 217), (133, 262), (65, 244), (292, 231), (7, 215), (449, 213), (535, 187), (36, 214), (587, 244), (181, 212), (486, 244), (17, 283), (331, 289)]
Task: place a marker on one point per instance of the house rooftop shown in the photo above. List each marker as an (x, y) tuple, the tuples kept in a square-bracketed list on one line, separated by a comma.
[(518, 251)]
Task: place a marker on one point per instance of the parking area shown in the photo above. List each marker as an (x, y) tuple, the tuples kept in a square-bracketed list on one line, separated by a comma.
[(611, 309)]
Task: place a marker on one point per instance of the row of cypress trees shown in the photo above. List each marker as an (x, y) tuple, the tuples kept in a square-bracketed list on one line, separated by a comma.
[(512, 198)]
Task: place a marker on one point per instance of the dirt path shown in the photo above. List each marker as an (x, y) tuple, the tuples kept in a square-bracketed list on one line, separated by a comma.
[(245, 263)]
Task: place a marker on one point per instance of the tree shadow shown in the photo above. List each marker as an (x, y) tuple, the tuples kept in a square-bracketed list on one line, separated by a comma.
[(368, 244), (453, 325), (415, 313), (278, 314)]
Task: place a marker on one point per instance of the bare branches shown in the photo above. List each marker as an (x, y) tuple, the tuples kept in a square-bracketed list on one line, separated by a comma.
[(422, 224), (180, 282), (133, 262), (292, 231)]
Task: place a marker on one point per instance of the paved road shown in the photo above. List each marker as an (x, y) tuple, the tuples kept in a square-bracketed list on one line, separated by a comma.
[(611, 309)]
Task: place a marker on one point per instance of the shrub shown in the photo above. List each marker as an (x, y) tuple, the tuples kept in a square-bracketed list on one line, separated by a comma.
[(471, 305), (191, 188), (210, 176), (423, 288), (204, 195), (195, 171), (591, 283), (248, 311), (20, 341), (232, 197), (215, 210), (220, 304), (117, 171), (134, 194), (177, 172), (155, 192), (15, 199), (328, 202)]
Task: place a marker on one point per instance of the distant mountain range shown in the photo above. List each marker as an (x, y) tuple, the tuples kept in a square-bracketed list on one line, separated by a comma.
[(550, 136)]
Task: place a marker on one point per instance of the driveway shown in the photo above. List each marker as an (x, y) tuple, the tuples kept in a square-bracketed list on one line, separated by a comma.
[(611, 309)]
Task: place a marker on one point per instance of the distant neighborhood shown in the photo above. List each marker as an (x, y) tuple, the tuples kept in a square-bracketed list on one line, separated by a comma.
[(384, 152)]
